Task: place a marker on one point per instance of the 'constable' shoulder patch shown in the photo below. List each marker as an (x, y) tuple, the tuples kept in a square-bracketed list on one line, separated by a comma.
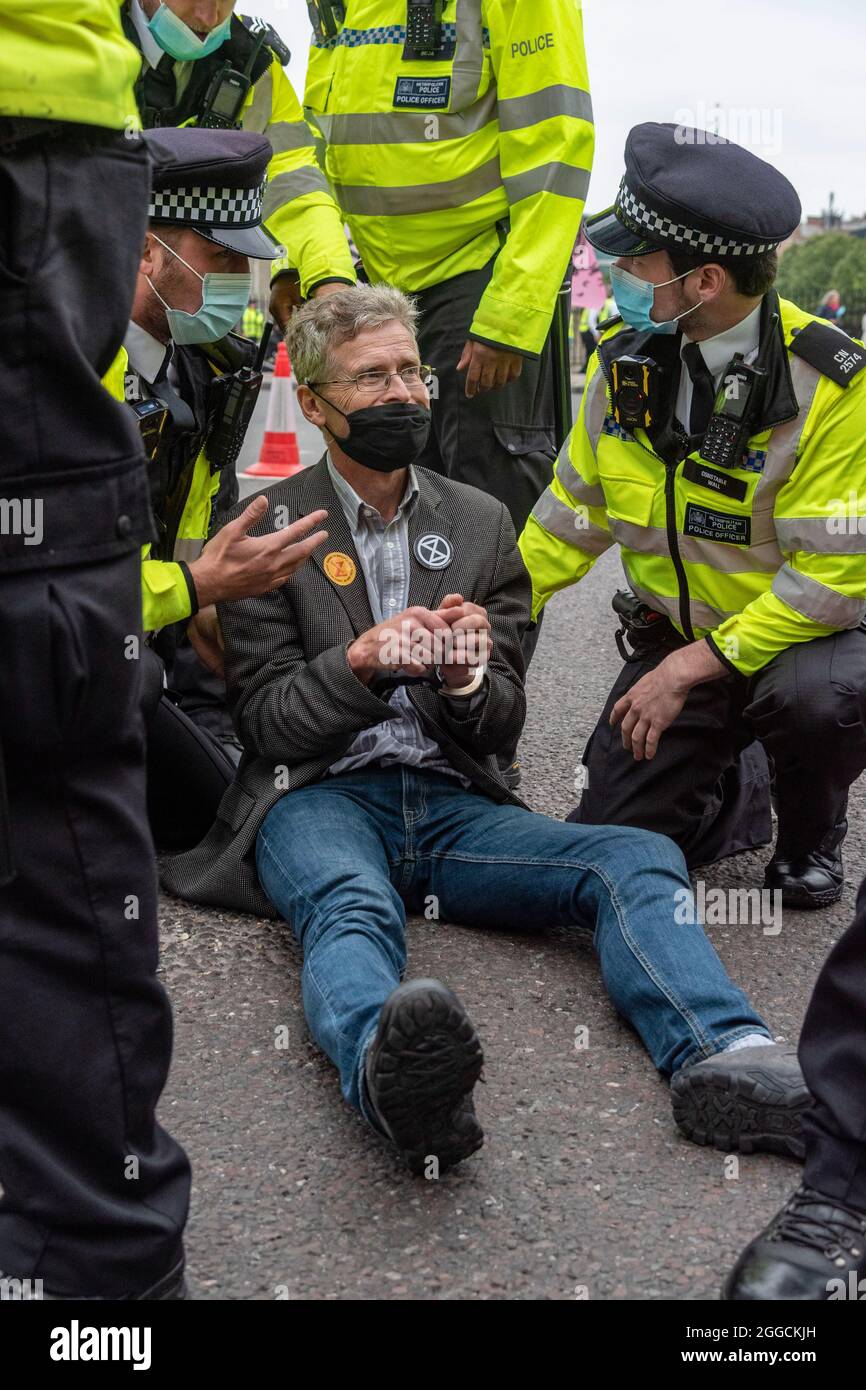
[(829, 351)]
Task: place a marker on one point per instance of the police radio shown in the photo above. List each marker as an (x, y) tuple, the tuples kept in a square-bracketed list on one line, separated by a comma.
[(635, 383), (231, 403), (736, 407), (224, 100), (225, 97)]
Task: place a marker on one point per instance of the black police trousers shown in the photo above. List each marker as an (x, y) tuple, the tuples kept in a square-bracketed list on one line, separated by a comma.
[(501, 441), (708, 786), (94, 1192), (188, 768), (833, 1057)]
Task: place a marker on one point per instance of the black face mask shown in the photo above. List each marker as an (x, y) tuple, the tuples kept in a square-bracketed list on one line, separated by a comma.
[(385, 437)]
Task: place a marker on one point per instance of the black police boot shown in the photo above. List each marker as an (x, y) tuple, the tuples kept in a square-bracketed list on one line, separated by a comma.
[(420, 1070), (814, 1248), (752, 1098), (510, 771), (810, 881)]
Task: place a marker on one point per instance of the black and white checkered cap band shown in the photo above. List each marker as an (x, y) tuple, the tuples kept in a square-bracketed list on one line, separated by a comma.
[(642, 220), (219, 207)]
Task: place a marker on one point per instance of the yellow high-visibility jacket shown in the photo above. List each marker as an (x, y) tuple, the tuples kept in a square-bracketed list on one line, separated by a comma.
[(755, 558), (437, 163), (67, 60), (165, 590), (299, 210)]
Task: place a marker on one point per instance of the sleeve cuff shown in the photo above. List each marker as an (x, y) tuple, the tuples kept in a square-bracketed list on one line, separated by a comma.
[(329, 280), (505, 347), (713, 646), (190, 584)]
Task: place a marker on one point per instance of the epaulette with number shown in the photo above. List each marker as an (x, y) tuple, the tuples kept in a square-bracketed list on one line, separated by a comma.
[(259, 26), (829, 351)]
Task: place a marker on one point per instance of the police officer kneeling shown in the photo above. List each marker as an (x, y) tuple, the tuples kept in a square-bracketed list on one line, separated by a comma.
[(720, 432), (185, 379)]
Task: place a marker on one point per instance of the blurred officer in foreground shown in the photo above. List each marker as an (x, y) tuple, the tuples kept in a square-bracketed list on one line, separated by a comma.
[(459, 144), (94, 1192), (203, 65), (815, 1248), (722, 445), (191, 385)]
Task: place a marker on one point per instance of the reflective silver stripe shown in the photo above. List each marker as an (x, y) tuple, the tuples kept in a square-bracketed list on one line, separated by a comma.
[(294, 183), (730, 559), (411, 127), (468, 64), (516, 113), (257, 115), (596, 410), (817, 601), (784, 440), (765, 557), (702, 615), (187, 549), (369, 200), (554, 177), (590, 493), (289, 135), (559, 519), (823, 535)]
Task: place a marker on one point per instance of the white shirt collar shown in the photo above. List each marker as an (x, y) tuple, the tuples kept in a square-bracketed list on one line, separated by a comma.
[(744, 337), (146, 353), (355, 506), (150, 49)]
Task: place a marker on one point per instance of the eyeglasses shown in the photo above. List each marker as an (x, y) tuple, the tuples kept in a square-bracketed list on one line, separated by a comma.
[(371, 382)]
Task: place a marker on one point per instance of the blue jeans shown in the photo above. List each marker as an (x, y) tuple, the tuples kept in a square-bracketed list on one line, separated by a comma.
[(344, 858)]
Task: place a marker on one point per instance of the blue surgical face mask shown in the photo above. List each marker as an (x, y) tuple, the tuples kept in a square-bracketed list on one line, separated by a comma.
[(177, 39), (223, 300), (634, 300)]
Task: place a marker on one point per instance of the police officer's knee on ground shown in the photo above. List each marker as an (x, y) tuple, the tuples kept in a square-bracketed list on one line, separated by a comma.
[(721, 430)]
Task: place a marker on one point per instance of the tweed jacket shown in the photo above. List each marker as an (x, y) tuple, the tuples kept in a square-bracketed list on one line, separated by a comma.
[(295, 701)]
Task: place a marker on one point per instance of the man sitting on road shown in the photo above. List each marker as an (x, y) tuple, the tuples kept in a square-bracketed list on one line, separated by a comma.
[(372, 692)]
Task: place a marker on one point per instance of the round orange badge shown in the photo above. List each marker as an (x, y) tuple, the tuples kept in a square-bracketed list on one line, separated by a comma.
[(339, 568)]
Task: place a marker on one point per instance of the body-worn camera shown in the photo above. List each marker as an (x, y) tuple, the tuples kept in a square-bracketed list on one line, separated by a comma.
[(635, 386), (327, 18), (151, 416), (424, 29)]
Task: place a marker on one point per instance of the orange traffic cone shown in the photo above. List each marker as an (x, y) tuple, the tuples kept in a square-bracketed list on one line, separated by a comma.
[(279, 457)]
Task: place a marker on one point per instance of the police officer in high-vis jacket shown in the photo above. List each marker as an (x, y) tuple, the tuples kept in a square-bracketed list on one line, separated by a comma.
[(185, 379), (721, 445), (459, 141), (203, 65)]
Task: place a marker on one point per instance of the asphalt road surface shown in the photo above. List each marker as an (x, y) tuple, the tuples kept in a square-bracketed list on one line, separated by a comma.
[(584, 1187)]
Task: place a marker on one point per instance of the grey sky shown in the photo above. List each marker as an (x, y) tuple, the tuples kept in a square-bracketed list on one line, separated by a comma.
[(789, 77)]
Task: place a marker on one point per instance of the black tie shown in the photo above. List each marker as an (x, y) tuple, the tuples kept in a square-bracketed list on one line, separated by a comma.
[(703, 388), (182, 417)]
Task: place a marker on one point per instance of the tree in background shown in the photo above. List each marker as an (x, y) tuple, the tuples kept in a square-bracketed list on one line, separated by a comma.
[(830, 261)]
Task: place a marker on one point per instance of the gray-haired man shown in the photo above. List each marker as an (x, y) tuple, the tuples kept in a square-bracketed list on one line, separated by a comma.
[(372, 693)]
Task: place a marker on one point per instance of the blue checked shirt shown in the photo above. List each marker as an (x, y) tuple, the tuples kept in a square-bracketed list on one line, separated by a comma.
[(383, 549)]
